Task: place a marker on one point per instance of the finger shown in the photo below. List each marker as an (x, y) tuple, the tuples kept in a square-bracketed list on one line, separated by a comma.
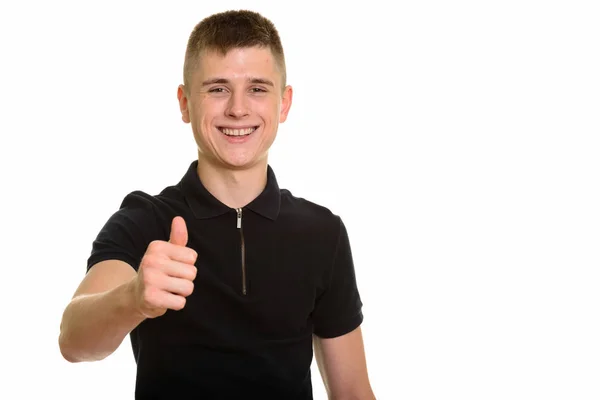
[(179, 233), (184, 255), (177, 269), (165, 299), (178, 286)]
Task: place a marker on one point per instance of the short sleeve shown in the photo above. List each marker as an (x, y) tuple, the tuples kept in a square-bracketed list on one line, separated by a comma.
[(126, 234), (338, 310)]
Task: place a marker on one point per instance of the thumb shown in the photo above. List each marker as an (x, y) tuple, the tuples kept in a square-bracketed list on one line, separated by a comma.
[(179, 233)]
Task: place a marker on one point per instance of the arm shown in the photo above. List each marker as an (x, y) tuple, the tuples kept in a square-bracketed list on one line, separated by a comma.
[(101, 313), (343, 367), (114, 298), (338, 343)]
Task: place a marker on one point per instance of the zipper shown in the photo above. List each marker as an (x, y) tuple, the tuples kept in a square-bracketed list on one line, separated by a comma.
[(239, 227)]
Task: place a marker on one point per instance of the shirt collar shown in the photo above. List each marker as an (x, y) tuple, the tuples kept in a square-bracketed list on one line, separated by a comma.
[(205, 205)]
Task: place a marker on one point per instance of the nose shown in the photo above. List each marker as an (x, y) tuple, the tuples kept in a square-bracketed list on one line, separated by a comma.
[(238, 106)]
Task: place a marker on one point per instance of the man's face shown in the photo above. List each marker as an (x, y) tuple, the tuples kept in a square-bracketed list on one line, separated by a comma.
[(234, 105)]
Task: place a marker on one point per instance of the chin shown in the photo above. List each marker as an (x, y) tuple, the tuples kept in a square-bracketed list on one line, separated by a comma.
[(242, 163)]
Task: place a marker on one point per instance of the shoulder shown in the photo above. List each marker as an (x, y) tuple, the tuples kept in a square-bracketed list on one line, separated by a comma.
[(143, 213), (142, 199), (307, 214), (126, 234), (139, 201), (139, 206), (137, 211)]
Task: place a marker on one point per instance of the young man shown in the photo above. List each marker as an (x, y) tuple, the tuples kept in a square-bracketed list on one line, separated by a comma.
[(224, 281)]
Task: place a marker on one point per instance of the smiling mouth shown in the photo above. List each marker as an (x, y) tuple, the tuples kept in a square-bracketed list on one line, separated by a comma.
[(238, 131)]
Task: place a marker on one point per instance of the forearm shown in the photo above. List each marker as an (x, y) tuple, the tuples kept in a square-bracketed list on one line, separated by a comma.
[(93, 326)]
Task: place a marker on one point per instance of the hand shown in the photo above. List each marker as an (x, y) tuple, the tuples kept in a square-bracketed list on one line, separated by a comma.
[(166, 274)]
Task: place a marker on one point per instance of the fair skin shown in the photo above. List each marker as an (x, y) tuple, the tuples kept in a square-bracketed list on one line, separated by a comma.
[(343, 366), (113, 298), (240, 92), (244, 89)]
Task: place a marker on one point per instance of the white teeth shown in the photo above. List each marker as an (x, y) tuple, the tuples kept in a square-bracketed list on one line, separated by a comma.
[(237, 132)]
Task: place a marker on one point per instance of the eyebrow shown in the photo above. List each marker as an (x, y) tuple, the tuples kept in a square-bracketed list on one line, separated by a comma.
[(259, 81)]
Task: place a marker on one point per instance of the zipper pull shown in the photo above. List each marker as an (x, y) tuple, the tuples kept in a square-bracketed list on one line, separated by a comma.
[(239, 218)]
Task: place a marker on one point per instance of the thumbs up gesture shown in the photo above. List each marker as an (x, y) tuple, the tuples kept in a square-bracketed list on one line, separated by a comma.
[(166, 273)]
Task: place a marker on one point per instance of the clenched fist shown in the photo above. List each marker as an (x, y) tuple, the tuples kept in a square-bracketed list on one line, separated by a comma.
[(166, 274)]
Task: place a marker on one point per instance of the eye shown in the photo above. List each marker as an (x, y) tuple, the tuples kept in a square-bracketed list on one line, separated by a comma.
[(217, 90), (258, 90)]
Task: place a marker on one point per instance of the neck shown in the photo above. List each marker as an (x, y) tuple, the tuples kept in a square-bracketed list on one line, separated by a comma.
[(234, 188)]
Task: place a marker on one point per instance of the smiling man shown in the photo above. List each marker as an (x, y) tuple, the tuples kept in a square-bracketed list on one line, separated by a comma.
[(226, 283)]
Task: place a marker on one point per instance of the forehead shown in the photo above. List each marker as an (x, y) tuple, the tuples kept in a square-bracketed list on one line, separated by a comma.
[(238, 63)]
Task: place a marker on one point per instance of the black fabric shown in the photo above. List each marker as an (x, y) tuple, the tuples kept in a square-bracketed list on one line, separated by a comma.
[(226, 344)]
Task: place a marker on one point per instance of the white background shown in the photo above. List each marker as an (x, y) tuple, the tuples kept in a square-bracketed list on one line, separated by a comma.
[(458, 140)]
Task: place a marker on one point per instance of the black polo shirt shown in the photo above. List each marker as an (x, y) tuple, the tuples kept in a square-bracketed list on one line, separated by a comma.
[(269, 277)]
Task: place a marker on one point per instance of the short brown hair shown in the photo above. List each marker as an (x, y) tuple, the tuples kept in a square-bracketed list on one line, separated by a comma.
[(229, 30)]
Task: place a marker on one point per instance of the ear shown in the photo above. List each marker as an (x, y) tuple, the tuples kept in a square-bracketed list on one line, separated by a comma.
[(183, 104), (286, 103)]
